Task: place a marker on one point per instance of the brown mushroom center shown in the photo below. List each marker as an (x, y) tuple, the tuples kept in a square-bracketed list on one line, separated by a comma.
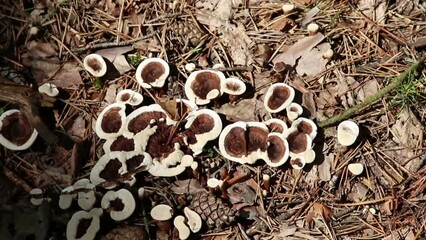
[(294, 109), (125, 97), (297, 142), (203, 123), (94, 64), (122, 144), (235, 142), (110, 171), (257, 139), (152, 71), (304, 127), (161, 143), (143, 120), (111, 121), (233, 86), (117, 204), (275, 127), (16, 128), (297, 162), (134, 163), (82, 227), (279, 95), (204, 83), (276, 149)]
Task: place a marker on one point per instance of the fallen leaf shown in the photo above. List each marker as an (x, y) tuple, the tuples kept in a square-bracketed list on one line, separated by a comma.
[(237, 44), (324, 169), (241, 193), (38, 49), (408, 130), (309, 16), (188, 186), (117, 58), (244, 110), (368, 89), (313, 62)]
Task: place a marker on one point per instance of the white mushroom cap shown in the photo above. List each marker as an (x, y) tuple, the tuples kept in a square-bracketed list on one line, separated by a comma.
[(204, 85), (111, 121), (206, 125), (152, 72), (190, 67), (288, 8), (95, 65), (162, 212), (233, 86), (128, 96), (356, 168), (48, 89), (194, 220), (66, 197), (294, 110), (298, 162), (179, 223), (15, 124), (172, 165), (73, 226), (328, 54), (347, 132), (120, 203), (276, 125), (214, 183), (306, 126), (278, 97), (86, 200), (313, 28), (110, 165), (36, 196), (277, 151)]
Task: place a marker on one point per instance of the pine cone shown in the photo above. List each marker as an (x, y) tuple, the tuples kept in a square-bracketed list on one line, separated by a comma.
[(126, 233), (212, 210), (188, 31)]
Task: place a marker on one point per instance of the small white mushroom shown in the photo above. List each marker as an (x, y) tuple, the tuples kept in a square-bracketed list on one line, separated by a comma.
[(66, 197), (184, 231), (347, 133), (128, 96), (288, 8), (214, 183), (162, 212), (356, 168), (48, 89), (294, 110), (152, 72), (194, 220), (95, 65), (297, 162), (233, 86), (190, 67), (328, 54), (313, 28), (36, 196)]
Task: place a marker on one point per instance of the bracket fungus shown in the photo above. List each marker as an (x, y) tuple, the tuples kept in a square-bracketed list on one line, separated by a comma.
[(67, 196), (347, 132), (86, 195), (110, 122), (128, 96), (276, 125), (84, 225), (95, 65), (16, 131), (204, 85), (152, 72), (162, 212), (294, 110), (233, 86), (278, 97), (183, 229), (194, 220), (36, 196), (120, 204)]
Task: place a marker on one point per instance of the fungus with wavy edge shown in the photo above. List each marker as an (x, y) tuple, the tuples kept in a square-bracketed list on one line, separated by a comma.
[(86, 195), (278, 97), (204, 85), (120, 204), (298, 142), (244, 142), (95, 65), (152, 72), (233, 86), (174, 164), (297, 162), (49, 89), (84, 225), (162, 212), (108, 170), (194, 220), (121, 144), (306, 125), (183, 229), (202, 126), (67, 196), (16, 131), (276, 125), (36, 196), (294, 110), (347, 132), (111, 121), (277, 151), (128, 96)]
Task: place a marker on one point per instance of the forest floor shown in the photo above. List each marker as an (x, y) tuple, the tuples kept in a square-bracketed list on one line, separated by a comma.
[(372, 41)]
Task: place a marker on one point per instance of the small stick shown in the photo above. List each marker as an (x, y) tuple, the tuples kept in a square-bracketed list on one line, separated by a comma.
[(110, 44), (398, 80)]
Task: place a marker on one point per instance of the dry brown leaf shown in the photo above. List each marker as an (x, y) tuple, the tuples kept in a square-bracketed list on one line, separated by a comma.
[(297, 50), (38, 49), (370, 87), (408, 130), (313, 62), (324, 169), (117, 58), (237, 44), (175, 110), (241, 193), (244, 110), (402, 234), (188, 186), (374, 9), (309, 16), (78, 128)]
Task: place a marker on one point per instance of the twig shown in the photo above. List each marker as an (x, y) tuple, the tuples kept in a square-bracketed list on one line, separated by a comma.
[(110, 44), (368, 101)]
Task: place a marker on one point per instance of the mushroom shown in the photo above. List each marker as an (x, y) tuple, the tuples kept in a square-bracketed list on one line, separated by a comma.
[(347, 132), (121, 144), (95, 65), (277, 151), (233, 86), (36, 196), (202, 126), (204, 85), (111, 121), (313, 28), (184, 231), (109, 169), (173, 165), (214, 183), (276, 125), (298, 142), (328, 54), (297, 162), (86, 195), (128, 96), (194, 220), (294, 110), (288, 8), (84, 225), (119, 204), (278, 97), (356, 168), (16, 132), (162, 212), (66, 197), (152, 72), (190, 67), (49, 89), (305, 125)]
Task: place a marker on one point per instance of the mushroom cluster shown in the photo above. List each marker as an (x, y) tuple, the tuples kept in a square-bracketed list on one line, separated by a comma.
[(150, 139)]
